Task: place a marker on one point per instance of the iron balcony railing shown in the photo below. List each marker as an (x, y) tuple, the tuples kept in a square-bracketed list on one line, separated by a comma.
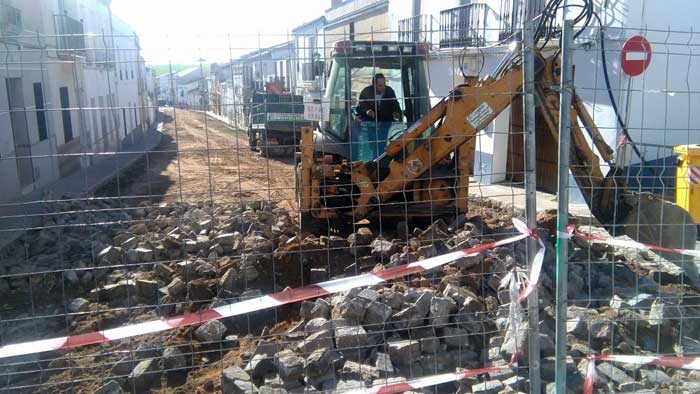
[(513, 13), (508, 19), (417, 28), (463, 26), (10, 20), (70, 39), (478, 24)]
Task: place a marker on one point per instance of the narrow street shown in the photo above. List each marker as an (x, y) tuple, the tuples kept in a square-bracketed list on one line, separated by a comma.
[(203, 159)]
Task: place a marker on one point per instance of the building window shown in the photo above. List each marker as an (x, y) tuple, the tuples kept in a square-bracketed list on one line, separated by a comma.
[(40, 111), (132, 74), (121, 77), (65, 114), (93, 113)]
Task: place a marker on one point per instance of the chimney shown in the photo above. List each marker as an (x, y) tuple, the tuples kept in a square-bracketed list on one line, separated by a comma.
[(335, 3)]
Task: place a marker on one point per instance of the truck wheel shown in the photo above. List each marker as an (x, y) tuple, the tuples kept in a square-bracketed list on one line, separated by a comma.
[(265, 149), (252, 141), (290, 149), (270, 151), (274, 150)]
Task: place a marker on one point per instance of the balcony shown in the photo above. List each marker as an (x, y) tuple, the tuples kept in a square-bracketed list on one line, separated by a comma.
[(70, 37), (479, 24), (417, 28), (10, 20), (99, 55), (463, 26)]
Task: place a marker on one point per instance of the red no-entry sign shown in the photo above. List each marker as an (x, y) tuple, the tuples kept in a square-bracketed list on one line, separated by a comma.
[(636, 55)]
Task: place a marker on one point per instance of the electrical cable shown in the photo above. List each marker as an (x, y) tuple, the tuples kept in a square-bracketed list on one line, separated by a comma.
[(621, 122), (463, 53), (611, 96), (547, 23)]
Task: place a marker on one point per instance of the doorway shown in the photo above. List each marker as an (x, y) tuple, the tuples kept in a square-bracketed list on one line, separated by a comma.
[(20, 131)]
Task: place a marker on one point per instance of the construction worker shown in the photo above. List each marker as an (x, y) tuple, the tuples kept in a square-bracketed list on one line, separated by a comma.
[(378, 102), (376, 112)]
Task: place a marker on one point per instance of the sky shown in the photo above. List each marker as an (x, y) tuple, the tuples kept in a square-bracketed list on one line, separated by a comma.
[(185, 31)]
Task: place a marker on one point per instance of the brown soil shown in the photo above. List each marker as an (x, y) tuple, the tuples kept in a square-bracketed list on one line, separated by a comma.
[(200, 159), (203, 159)]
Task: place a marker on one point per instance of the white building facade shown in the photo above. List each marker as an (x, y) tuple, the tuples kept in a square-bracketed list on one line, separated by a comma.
[(60, 91), (308, 63)]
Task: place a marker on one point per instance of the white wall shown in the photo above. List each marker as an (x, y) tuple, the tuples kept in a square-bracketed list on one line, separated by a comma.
[(306, 42), (659, 106), (129, 63), (84, 78)]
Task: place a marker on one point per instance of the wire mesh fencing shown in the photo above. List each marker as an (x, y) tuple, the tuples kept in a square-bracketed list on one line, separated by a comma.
[(632, 275), (222, 226)]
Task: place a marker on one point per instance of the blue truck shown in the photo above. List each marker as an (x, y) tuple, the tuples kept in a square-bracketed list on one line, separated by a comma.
[(275, 122)]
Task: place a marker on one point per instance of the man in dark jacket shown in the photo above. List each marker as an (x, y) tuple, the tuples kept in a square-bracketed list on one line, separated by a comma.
[(378, 102)]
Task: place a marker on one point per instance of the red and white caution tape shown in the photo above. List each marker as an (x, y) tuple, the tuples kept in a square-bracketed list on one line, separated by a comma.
[(426, 381), (268, 301), (659, 361), (589, 380), (628, 243), (536, 265)]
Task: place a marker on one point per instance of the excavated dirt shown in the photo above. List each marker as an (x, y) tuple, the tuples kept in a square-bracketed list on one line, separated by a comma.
[(203, 159)]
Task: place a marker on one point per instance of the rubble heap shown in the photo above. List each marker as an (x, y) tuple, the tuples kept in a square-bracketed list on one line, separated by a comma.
[(176, 258)]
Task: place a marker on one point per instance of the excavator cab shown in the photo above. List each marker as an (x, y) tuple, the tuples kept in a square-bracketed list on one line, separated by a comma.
[(344, 134)]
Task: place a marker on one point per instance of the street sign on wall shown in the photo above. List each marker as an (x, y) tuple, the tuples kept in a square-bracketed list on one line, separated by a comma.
[(635, 55)]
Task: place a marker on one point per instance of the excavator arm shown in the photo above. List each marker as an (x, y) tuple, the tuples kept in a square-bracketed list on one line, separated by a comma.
[(468, 110), (452, 126), (642, 216)]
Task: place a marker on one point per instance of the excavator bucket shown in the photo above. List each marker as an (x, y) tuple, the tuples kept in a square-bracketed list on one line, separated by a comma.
[(655, 221)]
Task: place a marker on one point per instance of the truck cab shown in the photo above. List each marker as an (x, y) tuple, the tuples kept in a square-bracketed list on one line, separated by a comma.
[(354, 64)]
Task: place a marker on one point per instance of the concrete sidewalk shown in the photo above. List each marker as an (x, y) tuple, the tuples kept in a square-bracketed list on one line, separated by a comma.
[(514, 195), (27, 213)]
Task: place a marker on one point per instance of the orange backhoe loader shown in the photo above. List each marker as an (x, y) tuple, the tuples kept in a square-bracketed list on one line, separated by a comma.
[(425, 168)]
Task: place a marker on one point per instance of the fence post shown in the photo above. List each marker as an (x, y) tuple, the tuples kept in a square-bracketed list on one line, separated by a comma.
[(529, 137), (565, 93)]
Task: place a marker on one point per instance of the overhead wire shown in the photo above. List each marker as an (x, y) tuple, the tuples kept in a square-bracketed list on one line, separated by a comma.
[(547, 30)]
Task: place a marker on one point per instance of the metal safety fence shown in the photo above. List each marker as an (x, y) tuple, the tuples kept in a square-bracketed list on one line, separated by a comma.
[(399, 209)]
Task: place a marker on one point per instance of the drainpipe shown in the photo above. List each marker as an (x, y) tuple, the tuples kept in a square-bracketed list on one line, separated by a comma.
[(50, 121), (140, 83), (113, 52)]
